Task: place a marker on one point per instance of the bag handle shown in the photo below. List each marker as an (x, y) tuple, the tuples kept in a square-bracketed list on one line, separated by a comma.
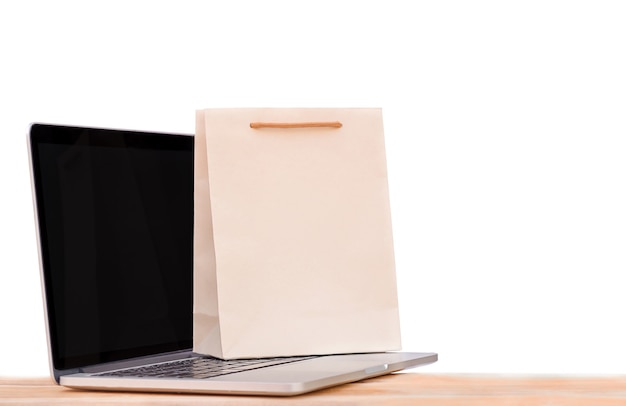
[(307, 124)]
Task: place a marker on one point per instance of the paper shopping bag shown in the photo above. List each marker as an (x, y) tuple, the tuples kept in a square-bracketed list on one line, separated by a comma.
[(293, 250)]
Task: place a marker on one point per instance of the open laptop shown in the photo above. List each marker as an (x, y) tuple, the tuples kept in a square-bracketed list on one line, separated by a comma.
[(114, 213)]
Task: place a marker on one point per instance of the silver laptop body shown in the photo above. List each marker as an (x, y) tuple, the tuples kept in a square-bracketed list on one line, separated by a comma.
[(114, 216)]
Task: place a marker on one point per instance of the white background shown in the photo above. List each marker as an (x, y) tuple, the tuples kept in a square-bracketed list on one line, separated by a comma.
[(506, 139)]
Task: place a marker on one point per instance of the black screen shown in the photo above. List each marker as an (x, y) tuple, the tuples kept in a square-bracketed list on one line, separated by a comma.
[(115, 211)]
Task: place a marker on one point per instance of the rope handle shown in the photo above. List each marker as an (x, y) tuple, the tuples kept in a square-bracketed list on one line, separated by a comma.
[(308, 124)]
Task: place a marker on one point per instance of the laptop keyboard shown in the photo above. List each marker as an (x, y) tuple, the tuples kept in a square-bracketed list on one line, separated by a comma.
[(199, 367)]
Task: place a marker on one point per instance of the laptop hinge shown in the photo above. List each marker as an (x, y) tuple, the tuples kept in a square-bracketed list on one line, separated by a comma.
[(134, 362)]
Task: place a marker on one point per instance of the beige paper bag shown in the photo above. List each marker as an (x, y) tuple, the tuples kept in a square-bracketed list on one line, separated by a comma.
[(293, 250)]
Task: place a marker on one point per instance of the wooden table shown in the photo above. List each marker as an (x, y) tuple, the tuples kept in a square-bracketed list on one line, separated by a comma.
[(398, 389)]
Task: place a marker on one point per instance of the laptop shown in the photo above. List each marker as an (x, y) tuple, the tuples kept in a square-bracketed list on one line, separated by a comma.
[(114, 216)]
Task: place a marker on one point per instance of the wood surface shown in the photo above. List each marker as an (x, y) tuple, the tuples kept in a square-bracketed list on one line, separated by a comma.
[(398, 389)]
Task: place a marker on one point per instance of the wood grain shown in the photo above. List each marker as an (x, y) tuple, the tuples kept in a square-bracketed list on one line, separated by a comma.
[(398, 389)]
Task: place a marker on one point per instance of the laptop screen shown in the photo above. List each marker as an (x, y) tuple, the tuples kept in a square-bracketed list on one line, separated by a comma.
[(115, 212)]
